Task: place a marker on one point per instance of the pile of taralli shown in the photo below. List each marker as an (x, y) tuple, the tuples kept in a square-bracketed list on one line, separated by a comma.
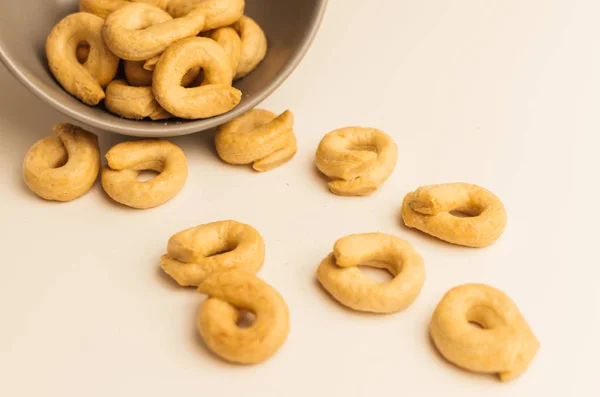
[(474, 326), (180, 57)]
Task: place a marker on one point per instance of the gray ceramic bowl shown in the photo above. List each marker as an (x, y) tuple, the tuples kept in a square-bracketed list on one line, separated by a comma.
[(290, 26)]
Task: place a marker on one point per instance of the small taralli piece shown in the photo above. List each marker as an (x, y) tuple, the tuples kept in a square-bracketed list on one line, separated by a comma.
[(126, 160), (134, 103), (63, 167), (216, 95), (218, 13), (258, 137), (138, 31), (229, 293), (195, 253), (431, 209), (86, 80), (340, 276), (254, 46), (360, 159), (228, 38), (103, 8), (500, 342)]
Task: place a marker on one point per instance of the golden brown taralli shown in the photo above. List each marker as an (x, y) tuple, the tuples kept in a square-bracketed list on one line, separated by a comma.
[(254, 46), (431, 209), (103, 8), (63, 167), (134, 103), (501, 342), (195, 253), (218, 13), (230, 292), (259, 137)]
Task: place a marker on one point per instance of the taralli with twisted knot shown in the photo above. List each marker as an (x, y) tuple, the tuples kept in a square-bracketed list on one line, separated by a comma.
[(340, 276), (230, 292), (216, 95), (254, 46), (360, 159), (218, 13), (431, 209), (103, 8), (86, 80), (63, 167), (258, 137), (139, 31), (126, 160), (501, 342), (195, 253), (134, 103)]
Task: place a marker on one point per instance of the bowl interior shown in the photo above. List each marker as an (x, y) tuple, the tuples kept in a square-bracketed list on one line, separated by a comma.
[(290, 26)]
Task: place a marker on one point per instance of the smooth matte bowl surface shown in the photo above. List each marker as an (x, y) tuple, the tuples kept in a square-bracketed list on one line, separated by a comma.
[(290, 26)]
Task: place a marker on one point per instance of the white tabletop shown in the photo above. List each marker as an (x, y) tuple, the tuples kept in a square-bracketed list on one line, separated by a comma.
[(504, 94)]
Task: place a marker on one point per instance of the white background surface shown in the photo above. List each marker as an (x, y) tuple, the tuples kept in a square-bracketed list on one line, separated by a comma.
[(499, 93)]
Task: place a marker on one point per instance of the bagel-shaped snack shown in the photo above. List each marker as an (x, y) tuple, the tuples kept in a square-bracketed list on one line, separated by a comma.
[(229, 293), (360, 159), (259, 137), (431, 209), (480, 329), (134, 103), (340, 276), (138, 31), (218, 13), (216, 95), (254, 46), (63, 167), (86, 80), (195, 253), (126, 160)]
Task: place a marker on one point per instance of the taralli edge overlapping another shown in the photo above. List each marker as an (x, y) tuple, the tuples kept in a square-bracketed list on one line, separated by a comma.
[(63, 167), (229, 293), (133, 102), (433, 209), (359, 159), (259, 137), (339, 274), (195, 253), (104, 8), (125, 162), (480, 329)]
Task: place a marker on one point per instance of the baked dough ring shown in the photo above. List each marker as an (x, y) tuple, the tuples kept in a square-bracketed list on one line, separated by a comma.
[(254, 46), (361, 159), (195, 253), (83, 81), (340, 276), (126, 160), (229, 39), (103, 8), (259, 137), (229, 292), (429, 209), (138, 31), (218, 13), (504, 344), (134, 103), (63, 167), (216, 95)]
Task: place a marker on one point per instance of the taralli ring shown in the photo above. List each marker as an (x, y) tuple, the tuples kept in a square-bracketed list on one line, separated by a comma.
[(216, 95), (434, 209), (360, 159), (63, 167), (126, 160), (195, 253), (103, 8), (340, 276), (228, 38), (139, 31), (218, 13), (86, 80), (479, 328), (134, 103), (259, 137), (254, 46), (229, 293)]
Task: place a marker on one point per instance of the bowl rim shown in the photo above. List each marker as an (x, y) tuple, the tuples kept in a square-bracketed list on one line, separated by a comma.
[(186, 127)]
